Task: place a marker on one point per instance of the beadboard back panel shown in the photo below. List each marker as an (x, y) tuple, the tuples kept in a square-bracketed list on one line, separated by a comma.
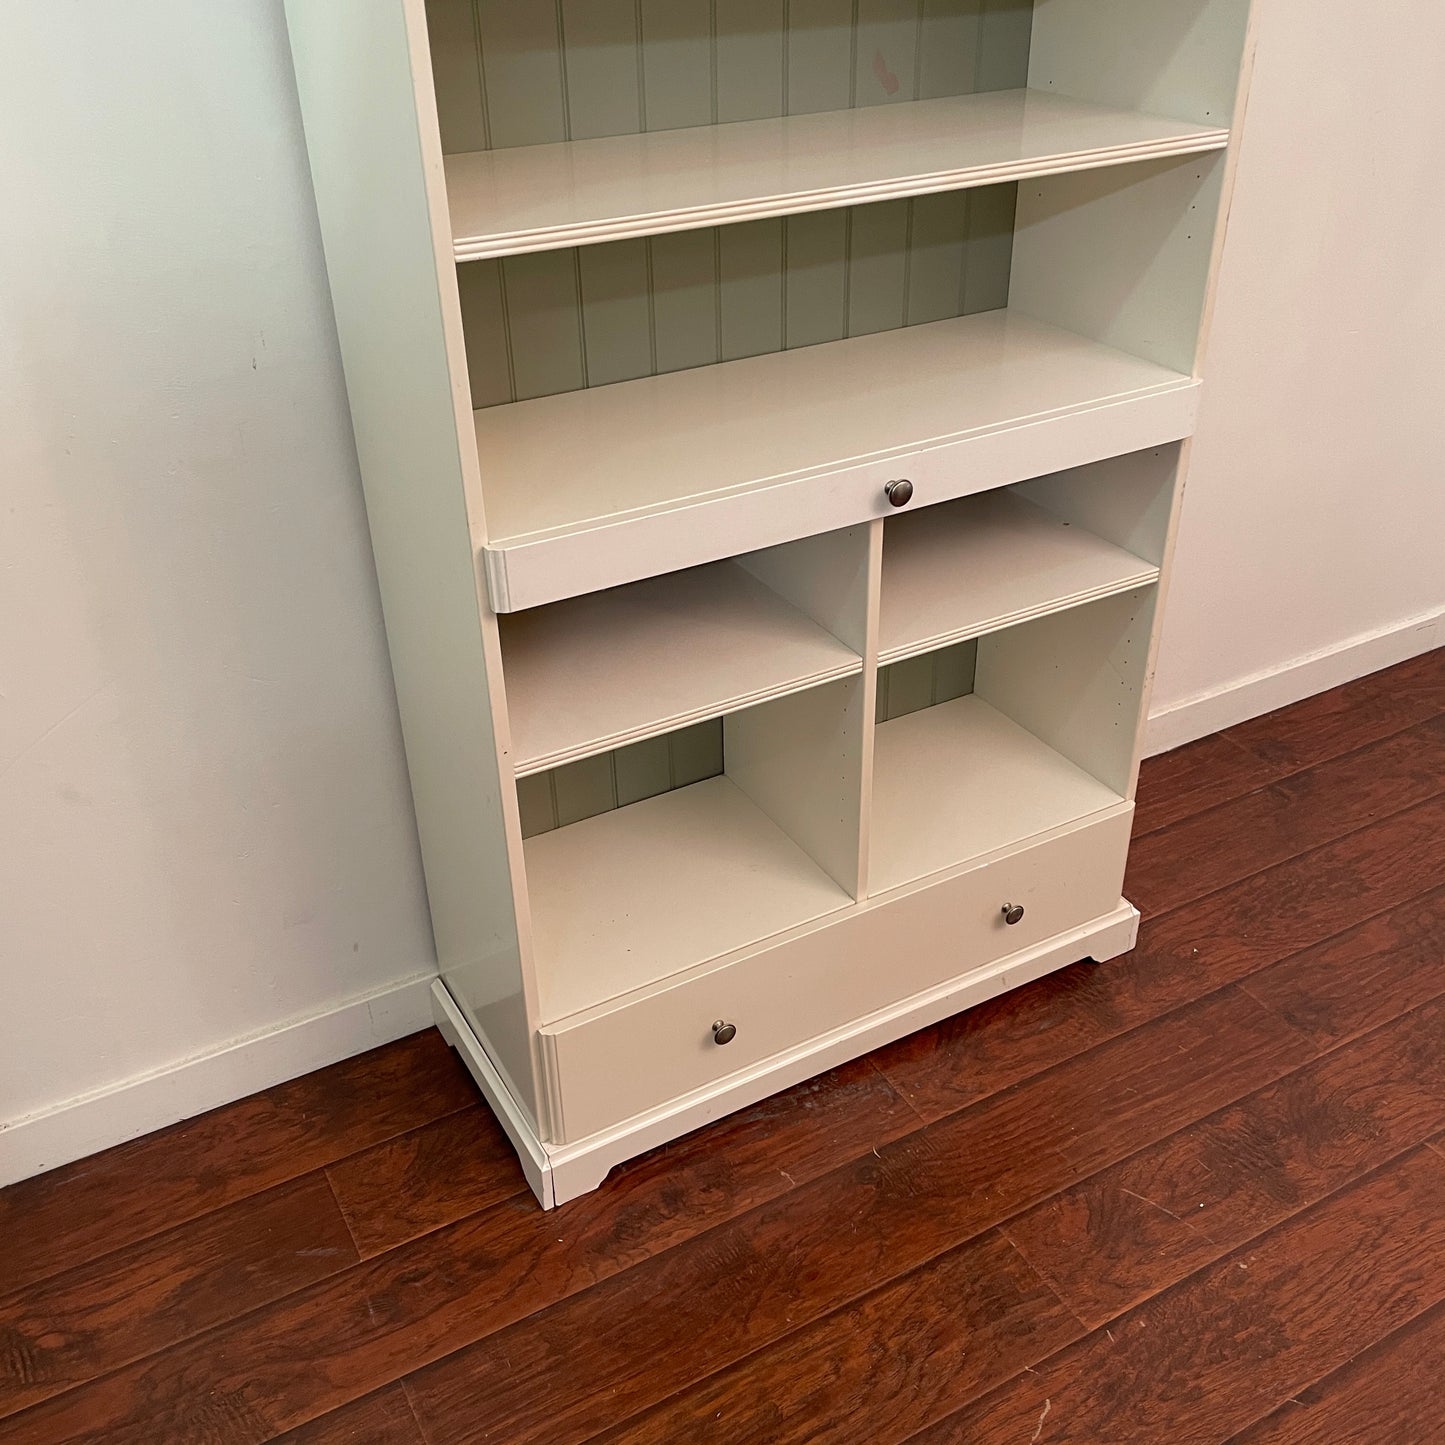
[(925, 680), (613, 780), (559, 321), (528, 72)]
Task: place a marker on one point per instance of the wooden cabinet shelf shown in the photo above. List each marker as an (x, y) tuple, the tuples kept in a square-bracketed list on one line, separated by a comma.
[(986, 562), (961, 781), (637, 895), (541, 197), (598, 672)]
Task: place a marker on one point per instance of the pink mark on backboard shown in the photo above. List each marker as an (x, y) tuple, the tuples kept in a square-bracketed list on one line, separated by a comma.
[(886, 77)]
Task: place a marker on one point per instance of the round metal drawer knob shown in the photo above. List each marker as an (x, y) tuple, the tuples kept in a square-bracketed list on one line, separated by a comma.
[(724, 1033), (899, 493), (1013, 913)]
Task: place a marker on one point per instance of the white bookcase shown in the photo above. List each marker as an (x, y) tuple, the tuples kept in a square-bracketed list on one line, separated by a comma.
[(772, 415)]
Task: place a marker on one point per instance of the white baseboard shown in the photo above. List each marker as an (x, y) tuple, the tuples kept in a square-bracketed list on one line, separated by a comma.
[(90, 1122), (1261, 692)]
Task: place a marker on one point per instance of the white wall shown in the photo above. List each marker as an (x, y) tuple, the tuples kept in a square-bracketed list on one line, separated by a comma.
[(205, 828), (206, 848), (1312, 548)]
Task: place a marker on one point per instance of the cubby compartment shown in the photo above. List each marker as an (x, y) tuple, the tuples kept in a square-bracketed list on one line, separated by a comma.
[(594, 673), (1040, 736), (653, 878), (981, 563)]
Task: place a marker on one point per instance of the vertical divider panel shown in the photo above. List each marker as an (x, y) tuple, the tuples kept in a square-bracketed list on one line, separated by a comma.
[(1077, 680), (807, 760), (826, 577)]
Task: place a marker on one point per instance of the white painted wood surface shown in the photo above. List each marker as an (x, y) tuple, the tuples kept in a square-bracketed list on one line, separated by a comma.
[(801, 760), (608, 669), (541, 197), (364, 82), (986, 562), (1177, 58), (828, 976), (1122, 257), (960, 781), (787, 445), (1077, 680), (626, 898)]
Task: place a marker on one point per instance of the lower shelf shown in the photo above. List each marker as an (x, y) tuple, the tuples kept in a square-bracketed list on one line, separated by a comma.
[(632, 896), (960, 781)]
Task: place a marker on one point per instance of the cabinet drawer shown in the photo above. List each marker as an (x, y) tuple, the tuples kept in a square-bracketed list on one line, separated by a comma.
[(642, 1051), (759, 502)]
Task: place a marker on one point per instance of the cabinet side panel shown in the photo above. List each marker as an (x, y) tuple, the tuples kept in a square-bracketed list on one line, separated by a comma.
[(1168, 57), (1122, 254), (354, 72)]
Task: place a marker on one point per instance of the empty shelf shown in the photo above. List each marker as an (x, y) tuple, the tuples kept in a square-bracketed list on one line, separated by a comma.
[(959, 781), (597, 672), (636, 895), (985, 562), (537, 198)]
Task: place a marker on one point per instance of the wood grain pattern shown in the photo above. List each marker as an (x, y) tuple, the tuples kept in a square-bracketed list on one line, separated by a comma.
[(1226, 765), (136, 1301), (384, 1418), (1234, 1341), (1386, 1395), (1131, 1230), (1285, 819), (791, 1261), (1199, 775), (94, 1206), (1348, 717), (420, 1181), (1363, 976), (899, 1358), (1181, 955), (326, 1346)]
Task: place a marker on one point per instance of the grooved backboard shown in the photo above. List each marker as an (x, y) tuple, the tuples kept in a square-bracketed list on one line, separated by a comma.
[(926, 680), (613, 780), (527, 72), (556, 321)]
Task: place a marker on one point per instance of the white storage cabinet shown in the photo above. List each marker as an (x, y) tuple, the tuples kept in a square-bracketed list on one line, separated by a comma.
[(772, 415)]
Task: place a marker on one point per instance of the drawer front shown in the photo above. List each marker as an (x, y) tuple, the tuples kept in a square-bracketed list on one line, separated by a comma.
[(609, 552), (612, 1063)]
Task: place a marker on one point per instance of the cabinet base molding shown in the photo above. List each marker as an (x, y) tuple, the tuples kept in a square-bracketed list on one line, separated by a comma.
[(559, 1173)]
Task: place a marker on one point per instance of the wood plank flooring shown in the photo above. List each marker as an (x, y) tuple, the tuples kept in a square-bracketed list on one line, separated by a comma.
[(1194, 1195)]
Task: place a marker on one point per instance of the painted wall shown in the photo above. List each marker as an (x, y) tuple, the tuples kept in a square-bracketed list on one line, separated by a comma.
[(205, 827), (207, 858), (1312, 548)]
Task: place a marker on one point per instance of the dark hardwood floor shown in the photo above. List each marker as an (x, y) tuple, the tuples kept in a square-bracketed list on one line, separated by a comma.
[(1194, 1195)]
